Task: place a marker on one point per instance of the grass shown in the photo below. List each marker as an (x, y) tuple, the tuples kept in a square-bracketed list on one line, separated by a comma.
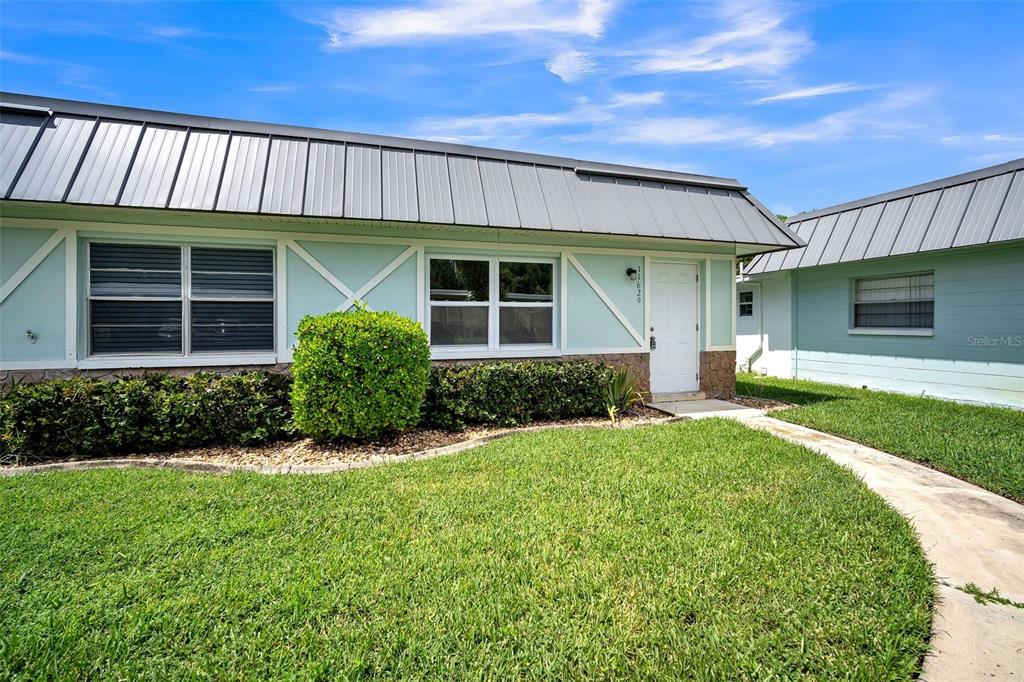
[(983, 445), (700, 550)]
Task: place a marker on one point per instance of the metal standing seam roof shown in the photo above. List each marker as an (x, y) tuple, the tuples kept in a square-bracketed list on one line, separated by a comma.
[(56, 150), (981, 207)]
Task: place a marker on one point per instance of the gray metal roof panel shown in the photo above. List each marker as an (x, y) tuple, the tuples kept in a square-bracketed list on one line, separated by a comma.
[(244, 172), (533, 210), (1010, 224), (18, 131), (725, 205), (325, 179), (499, 198), (467, 192), (983, 210), (684, 202), (152, 172), (105, 163), (986, 205), (433, 188), (840, 237), (398, 185), (805, 231), (816, 243), (200, 170), (558, 198), (863, 232), (165, 118), (889, 224), (286, 176), (949, 214), (362, 182), (634, 200), (192, 162), (915, 225), (55, 158), (665, 218)]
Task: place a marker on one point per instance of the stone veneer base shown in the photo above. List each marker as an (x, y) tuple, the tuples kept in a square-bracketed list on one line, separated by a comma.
[(718, 373)]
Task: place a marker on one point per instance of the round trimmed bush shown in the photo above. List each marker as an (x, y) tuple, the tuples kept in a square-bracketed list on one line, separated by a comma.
[(358, 374)]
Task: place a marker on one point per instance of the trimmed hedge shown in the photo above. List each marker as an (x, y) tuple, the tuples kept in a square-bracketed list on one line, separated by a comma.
[(88, 418), (514, 393), (359, 374)]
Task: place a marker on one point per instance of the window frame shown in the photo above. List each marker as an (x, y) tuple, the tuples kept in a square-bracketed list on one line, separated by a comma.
[(894, 329), (185, 353), (740, 303), (494, 306)]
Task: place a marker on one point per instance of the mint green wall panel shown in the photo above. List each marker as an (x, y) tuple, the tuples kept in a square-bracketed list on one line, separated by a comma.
[(308, 294), (37, 304), (610, 274), (722, 282), (17, 244), (397, 291), (353, 264), (976, 351), (591, 324)]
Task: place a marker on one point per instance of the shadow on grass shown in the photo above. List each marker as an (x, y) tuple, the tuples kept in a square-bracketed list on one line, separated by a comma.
[(786, 394)]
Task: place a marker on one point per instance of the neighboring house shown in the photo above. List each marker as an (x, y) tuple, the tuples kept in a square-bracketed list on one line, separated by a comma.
[(920, 290), (143, 239)]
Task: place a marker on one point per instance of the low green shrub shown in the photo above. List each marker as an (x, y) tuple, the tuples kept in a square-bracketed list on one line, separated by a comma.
[(81, 417), (359, 374), (514, 393), (621, 395)]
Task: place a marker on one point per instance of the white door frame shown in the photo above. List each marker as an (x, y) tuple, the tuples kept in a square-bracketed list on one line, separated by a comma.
[(697, 307)]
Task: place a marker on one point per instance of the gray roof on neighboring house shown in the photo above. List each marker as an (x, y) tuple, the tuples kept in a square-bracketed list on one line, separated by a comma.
[(56, 150), (980, 207)]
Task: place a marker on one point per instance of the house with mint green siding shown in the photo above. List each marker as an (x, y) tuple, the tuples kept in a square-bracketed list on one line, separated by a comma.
[(919, 291), (134, 240)]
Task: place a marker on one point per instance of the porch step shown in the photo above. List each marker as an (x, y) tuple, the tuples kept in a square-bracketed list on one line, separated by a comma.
[(677, 397)]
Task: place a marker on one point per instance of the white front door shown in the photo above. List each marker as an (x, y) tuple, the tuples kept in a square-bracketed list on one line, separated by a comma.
[(673, 327)]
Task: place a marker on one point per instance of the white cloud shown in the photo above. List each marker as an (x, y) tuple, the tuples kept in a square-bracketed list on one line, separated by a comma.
[(570, 65), (171, 31), (274, 87), (753, 38), (635, 99), (474, 129), (878, 119), (465, 18), (812, 91)]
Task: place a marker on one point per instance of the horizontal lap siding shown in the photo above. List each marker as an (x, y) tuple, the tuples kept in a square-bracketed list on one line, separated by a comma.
[(974, 353)]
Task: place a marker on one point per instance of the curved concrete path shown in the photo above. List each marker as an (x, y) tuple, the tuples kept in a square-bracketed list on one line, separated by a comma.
[(969, 534)]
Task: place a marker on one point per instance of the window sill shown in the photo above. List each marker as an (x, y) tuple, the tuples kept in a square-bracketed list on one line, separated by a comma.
[(476, 353), (891, 331), (212, 360)]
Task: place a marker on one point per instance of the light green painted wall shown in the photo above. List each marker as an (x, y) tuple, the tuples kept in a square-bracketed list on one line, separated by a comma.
[(976, 352), (722, 283), (591, 325), (37, 304)]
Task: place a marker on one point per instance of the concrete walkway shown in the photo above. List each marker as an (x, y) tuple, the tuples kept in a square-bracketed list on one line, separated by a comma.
[(969, 534), (701, 409)]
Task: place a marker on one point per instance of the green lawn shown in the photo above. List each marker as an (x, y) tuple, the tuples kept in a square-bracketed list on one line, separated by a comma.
[(697, 550), (983, 445)]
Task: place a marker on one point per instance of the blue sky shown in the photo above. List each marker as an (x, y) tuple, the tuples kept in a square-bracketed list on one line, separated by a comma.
[(808, 104)]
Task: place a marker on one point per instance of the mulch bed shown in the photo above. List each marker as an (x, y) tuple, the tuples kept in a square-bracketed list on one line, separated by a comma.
[(766, 404), (307, 452)]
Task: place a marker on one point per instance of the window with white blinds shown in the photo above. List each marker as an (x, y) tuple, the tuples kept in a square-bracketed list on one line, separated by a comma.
[(902, 302), (159, 299)]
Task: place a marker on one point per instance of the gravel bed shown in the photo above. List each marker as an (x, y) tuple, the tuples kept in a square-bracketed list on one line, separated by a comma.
[(766, 404)]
